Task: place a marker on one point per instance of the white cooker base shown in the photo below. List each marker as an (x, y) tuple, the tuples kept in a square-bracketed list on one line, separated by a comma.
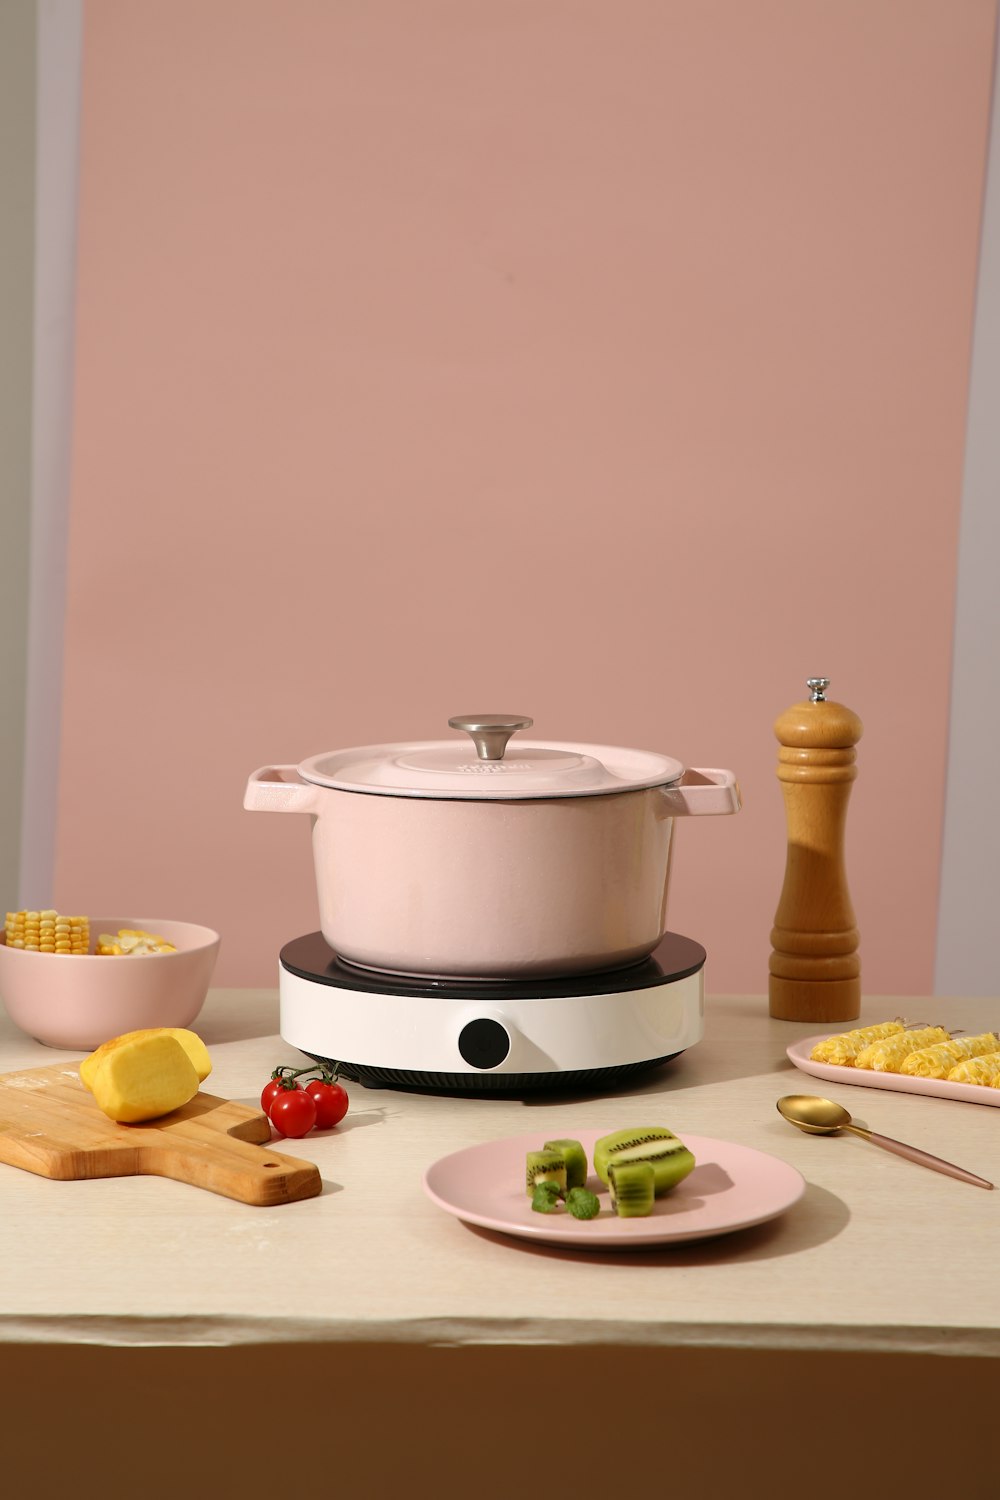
[(493, 1039)]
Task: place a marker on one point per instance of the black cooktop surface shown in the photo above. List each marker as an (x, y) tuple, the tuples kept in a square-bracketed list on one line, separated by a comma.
[(674, 957)]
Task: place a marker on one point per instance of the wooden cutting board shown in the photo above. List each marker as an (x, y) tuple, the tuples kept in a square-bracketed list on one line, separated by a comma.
[(50, 1125)]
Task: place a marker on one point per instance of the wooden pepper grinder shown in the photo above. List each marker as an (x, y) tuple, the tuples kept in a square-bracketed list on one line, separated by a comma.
[(815, 973)]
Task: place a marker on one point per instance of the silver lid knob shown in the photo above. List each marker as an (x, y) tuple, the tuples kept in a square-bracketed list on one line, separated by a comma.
[(490, 732), (817, 688)]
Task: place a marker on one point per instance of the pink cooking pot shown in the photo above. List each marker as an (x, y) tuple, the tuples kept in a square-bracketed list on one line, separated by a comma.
[(452, 858)]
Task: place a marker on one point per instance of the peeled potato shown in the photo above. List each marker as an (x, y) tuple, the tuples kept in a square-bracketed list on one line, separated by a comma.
[(145, 1076), (189, 1040)]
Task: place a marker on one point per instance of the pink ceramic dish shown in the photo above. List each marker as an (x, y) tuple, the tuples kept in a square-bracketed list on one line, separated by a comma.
[(732, 1187), (76, 1002), (450, 857), (867, 1078)]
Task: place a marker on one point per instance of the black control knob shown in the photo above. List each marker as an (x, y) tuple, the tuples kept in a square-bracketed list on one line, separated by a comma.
[(483, 1043)]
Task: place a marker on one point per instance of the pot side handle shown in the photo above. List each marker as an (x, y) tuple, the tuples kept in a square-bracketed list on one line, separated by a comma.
[(703, 790), (280, 789)]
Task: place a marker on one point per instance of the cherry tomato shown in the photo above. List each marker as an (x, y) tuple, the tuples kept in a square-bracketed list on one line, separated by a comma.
[(293, 1112), (331, 1102), (270, 1093)]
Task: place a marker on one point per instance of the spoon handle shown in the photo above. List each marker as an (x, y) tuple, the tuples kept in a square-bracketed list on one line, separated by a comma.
[(913, 1153)]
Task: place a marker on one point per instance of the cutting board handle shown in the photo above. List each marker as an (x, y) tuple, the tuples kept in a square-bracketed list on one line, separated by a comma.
[(233, 1168)]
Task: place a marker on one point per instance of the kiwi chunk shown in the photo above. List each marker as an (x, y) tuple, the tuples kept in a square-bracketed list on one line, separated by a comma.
[(669, 1157), (576, 1161), (631, 1186), (545, 1166)]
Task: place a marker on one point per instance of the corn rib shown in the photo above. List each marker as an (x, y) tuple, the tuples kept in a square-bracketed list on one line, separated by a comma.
[(938, 1061), (888, 1056), (842, 1050), (984, 1070)]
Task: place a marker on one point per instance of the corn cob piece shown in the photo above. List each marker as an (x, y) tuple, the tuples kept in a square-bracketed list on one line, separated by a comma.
[(938, 1061), (842, 1050), (47, 932), (984, 1069), (887, 1056)]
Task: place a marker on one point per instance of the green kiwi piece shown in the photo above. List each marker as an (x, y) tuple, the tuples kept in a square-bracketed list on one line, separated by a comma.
[(671, 1161), (546, 1166), (631, 1187), (670, 1158), (620, 1140), (582, 1203), (576, 1161)]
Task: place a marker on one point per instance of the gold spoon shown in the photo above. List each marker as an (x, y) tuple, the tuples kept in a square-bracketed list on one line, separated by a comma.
[(822, 1117)]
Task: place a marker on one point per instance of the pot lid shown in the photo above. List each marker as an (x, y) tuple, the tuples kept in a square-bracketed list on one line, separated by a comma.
[(480, 769)]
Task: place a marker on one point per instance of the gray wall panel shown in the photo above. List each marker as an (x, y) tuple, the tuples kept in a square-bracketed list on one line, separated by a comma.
[(60, 39), (17, 253), (968, 951)]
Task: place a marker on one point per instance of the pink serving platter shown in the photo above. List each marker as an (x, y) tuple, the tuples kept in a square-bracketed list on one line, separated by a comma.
[(732, 1187), (936, 1088)]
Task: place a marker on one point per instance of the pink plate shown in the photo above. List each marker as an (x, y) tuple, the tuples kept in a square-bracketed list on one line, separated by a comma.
[(938, 1088), (732, 1187)]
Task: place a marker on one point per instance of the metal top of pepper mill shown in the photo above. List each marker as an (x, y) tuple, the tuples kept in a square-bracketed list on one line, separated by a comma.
[(817, 688)]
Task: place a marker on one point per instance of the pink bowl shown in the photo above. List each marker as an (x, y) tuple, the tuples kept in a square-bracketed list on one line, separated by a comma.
[(76, 1002)]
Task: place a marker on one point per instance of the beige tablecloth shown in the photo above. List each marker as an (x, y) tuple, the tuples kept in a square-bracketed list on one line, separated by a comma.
[(878, 1255)]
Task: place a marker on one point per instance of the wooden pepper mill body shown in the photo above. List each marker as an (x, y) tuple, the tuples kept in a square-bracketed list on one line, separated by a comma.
[(815, 971)]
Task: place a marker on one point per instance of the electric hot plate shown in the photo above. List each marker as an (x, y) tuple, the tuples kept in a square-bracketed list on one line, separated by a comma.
[(497, 1036)]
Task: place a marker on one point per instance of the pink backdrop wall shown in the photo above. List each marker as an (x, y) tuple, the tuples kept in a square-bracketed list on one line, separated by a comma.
[(606, 363)]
